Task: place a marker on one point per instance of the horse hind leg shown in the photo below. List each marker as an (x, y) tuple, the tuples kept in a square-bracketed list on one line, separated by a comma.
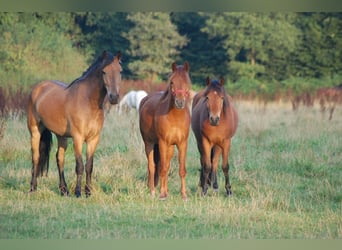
[(225, 168), (40, 146), (62, 146)]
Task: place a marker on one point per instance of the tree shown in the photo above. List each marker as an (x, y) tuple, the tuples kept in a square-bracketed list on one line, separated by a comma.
[(257, 43), (320, 52), (103, 31), (154, 44), (206, 56)]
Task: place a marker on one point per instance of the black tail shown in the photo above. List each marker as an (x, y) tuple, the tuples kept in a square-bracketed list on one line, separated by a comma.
[(156, 159), (44, 152)]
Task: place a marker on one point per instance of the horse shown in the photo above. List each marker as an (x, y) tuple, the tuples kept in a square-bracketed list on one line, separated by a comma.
[(76, 111), (131, 100), (214, 122), (164, 122), (330, 96)]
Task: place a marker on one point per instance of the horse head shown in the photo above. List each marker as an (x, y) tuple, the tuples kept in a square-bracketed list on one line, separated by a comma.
[(215, 98), (111, 73), (180, 84)]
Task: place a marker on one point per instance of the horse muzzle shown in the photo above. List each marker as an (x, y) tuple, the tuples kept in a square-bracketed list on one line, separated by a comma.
[(113, 98), (180, 103), (214, 120)]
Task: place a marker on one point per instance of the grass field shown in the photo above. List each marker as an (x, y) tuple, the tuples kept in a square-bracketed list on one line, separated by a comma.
[(286, 175)]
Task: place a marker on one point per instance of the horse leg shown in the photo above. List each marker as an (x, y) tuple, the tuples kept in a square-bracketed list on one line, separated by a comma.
[(225, 167), (206, 166), (331, 111), (79, 164), (151, 167), (182, 149), (216, 152), (166, 152), (35, 140), (91, 146), (62, 146)]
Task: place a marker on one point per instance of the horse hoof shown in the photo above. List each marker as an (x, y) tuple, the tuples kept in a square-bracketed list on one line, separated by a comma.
[(78, 194), (229, 192), (184, 198), (163, 197)]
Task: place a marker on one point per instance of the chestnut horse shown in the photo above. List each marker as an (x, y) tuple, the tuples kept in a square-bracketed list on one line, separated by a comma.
[(164, 119), (76, 111), (214, 122), (330, 97)]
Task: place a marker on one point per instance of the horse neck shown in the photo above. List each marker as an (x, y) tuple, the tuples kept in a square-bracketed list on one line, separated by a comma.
[(93, 89)]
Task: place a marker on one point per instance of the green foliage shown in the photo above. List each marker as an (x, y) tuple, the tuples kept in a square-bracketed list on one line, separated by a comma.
[(262, 39), (32, 50), (154, 44), (271, 50)]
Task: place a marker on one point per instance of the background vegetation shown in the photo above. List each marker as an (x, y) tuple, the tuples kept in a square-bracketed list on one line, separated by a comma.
[(271, 50)]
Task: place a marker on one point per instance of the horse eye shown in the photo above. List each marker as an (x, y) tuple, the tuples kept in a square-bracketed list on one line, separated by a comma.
[(103, 72)]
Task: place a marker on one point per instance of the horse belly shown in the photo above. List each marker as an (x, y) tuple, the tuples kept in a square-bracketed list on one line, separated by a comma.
[(49, 107)]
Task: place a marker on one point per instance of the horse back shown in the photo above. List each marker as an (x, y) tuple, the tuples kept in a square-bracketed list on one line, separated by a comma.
[(46, 105)]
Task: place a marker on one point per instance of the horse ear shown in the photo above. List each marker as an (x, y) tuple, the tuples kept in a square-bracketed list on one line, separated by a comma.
[(118, 55), (208, 81), (104, 54), (174, 67), (221, 81), (186, 66)]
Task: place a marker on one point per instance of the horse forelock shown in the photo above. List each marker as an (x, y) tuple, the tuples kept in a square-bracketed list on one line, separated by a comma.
[(216, 86)]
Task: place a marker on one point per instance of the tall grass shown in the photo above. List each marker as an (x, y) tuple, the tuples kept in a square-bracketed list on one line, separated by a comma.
[(286, 176)]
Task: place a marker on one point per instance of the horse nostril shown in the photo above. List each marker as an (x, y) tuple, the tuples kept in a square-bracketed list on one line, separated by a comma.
[(113, 98), (214, 120)]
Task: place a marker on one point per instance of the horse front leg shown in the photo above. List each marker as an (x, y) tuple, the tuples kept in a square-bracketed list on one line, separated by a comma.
[(206, 166), (225, 168), (79, 165), (166, 152), (62, 146), (91, 146), (182, 149)]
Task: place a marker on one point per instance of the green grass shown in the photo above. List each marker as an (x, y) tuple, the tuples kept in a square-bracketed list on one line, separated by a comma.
[(286, 175)]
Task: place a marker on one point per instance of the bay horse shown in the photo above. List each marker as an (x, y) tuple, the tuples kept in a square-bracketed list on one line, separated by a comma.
[(164, 120), (214, 122), (76, 111)]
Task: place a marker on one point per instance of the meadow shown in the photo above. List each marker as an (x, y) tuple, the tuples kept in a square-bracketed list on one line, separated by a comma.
[(285, 168)]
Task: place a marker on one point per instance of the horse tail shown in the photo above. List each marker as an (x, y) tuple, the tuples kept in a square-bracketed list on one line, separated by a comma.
[(156, 159), (44, 152)]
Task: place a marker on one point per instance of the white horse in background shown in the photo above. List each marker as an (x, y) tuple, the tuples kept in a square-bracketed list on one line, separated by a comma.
[(131, 100)]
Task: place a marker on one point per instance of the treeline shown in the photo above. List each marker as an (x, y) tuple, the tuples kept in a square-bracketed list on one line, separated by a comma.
[(257, 53)]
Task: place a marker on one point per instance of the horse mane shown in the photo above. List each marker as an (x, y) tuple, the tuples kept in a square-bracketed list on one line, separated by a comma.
[(102, 61)]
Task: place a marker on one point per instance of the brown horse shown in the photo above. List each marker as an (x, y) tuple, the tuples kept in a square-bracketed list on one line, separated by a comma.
[(330, 97), (76, 111), (214, 122), (164, 119)]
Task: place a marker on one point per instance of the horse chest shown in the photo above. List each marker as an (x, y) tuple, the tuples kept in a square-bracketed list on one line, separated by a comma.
[(215, 134), (173, 130)]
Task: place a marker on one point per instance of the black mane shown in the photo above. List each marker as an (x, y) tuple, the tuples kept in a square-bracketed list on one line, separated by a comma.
[(102, 61)]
